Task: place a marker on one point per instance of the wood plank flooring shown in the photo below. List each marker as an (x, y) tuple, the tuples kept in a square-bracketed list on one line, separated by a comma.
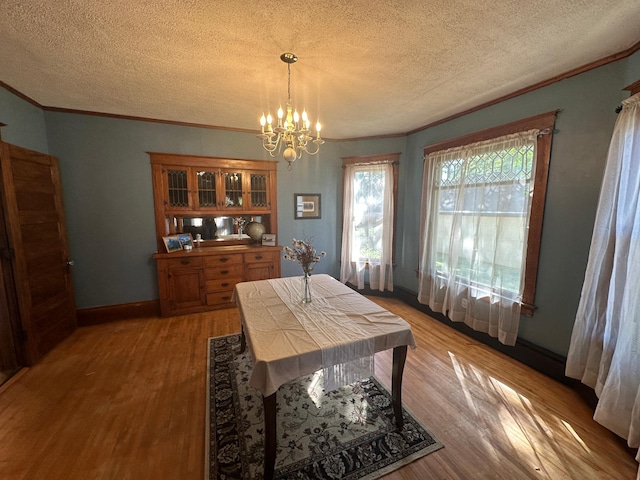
[(126, 400)]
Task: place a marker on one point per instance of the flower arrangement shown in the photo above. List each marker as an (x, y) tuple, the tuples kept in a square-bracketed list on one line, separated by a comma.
[(240, 222), (303, 253)]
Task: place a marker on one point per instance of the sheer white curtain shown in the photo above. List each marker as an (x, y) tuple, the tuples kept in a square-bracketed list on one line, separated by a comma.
[(476, 206), (367, 226), (605, 345)]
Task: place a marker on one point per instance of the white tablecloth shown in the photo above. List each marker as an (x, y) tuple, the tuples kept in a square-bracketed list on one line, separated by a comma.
[(287, 338)]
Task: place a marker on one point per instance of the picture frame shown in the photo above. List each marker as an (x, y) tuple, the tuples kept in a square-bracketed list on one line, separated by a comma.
[(185, 240), (269, 239), (172, 243), (306, 205)]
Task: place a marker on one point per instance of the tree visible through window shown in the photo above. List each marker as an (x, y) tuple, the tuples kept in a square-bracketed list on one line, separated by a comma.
[(367, 212), (370, 188)]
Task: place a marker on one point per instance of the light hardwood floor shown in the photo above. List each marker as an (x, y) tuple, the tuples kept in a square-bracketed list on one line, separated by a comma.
[(126, 400)]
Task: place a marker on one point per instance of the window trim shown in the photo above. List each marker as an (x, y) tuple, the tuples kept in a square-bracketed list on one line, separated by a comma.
[(394, 159), (633, 88), (544, 122)]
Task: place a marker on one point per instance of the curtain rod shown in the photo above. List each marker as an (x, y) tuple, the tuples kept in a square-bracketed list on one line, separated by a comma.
[(380, 162)]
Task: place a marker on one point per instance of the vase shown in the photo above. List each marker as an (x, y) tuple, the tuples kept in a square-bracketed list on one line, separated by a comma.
[(306, 288)]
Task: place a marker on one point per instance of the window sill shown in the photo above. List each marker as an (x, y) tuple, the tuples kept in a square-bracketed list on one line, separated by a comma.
[(526, 309)]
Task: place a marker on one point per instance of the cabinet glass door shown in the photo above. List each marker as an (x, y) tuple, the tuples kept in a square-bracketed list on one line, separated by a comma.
[(259, 192), (233, 189), (207, 195), (178, 190)]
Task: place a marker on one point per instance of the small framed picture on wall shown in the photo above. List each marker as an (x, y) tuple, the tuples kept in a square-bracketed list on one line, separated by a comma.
[(306, 205)]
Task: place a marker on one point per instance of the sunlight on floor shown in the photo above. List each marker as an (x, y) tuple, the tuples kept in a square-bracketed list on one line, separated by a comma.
[(315, 389), (354, 413), (503, 412), (576, 436)]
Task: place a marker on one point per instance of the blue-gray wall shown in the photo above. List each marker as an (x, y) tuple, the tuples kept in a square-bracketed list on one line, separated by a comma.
[(24, 123), (106, 179)]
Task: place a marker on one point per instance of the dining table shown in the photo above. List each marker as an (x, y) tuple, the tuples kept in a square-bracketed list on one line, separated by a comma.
[(288, 338)]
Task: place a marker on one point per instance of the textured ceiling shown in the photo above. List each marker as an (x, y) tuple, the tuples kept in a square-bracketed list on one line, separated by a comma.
[(366, 68)]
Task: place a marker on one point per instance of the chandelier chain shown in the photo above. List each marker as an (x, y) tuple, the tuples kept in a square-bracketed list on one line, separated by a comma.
[(288, 83)]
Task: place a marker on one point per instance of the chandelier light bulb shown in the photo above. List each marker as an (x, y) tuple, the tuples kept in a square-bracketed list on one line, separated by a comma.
[(280, 113), (318, 128), (263, 121)]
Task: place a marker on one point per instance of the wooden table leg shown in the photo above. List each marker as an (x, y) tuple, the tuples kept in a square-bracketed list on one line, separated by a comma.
[(399, 358), (243, 340), (269, 404)]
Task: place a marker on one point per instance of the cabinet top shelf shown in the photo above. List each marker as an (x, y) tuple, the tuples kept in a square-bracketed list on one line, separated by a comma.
[(217, 162), (217, 250)]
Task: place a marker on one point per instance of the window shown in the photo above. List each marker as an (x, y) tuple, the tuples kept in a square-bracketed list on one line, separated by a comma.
[(370, 191), (484, 192), (483, 202)]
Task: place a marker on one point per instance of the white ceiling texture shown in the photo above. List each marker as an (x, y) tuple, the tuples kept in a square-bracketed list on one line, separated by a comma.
[(365, 68)]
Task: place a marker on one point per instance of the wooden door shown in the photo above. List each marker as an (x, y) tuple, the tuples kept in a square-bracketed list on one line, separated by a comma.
[(11, 340), (33, 204), (186, 288), (259, 271)]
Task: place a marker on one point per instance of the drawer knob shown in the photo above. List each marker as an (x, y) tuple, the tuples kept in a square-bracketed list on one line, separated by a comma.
[(224, 259), (258, 257), (224, 272), (225, 284), (185, 262), (226, 298)]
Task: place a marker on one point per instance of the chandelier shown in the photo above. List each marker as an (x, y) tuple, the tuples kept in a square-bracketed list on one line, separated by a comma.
[(292, 132)]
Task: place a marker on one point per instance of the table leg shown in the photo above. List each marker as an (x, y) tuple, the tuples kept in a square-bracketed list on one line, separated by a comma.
[(269, 404), (399, 357), (243, 340)]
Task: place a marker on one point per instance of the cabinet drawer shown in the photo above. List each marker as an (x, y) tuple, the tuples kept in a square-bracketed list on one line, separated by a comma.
[(261, 257), (220, 298), (236, 270), (184, 262), (222, 284), (222, 260)]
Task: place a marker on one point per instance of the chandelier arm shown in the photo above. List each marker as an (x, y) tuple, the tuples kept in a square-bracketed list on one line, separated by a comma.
[(313, 153)]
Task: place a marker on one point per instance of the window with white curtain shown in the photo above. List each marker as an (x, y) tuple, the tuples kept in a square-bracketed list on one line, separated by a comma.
[(370, 186), (483, 199)]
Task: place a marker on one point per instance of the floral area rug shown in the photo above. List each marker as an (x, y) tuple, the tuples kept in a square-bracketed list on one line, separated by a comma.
[(344, 434)]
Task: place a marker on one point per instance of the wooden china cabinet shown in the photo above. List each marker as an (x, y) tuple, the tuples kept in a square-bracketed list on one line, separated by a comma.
[(191, 192)]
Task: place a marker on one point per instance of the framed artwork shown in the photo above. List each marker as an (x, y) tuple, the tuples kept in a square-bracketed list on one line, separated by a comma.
[(306, 205), (269, 239), (172, 243), (185, 240)]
